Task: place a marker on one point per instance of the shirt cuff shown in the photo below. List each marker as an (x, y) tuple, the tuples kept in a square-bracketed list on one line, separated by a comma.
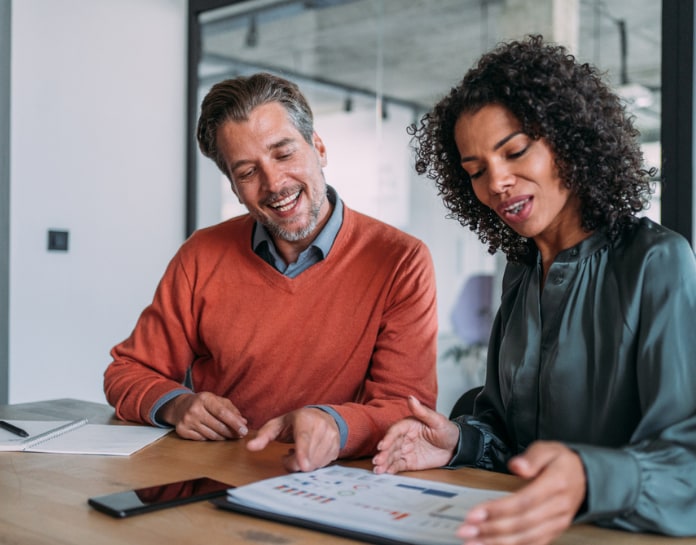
[(613, 482), (469, 446), (160, 403), (342, 426)]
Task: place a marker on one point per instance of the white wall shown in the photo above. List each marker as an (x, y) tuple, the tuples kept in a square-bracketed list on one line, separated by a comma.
[(458, 255), (4, 192), (97, 148)]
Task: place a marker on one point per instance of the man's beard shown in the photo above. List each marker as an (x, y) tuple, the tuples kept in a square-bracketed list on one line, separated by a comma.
[(277, 229)]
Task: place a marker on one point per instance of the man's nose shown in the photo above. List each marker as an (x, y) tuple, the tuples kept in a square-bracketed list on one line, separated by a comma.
[(272, 178)]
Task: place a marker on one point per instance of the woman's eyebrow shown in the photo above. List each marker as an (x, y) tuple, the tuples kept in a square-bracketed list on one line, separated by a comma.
[(497, 146)]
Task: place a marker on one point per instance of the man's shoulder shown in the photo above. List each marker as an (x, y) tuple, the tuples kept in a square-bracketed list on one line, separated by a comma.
[(221, 232), (218, 239), (377, 230)]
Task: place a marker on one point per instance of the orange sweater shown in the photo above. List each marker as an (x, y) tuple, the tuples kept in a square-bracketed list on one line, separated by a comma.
[(357, 331)]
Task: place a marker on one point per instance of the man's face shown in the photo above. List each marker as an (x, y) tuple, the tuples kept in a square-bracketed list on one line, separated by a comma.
[(276, 174)]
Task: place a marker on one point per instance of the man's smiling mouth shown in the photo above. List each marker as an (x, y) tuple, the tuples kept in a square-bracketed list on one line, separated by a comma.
[(286, 203)]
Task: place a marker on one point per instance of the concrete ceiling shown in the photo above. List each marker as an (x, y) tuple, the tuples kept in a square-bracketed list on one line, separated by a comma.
[(413, 51)]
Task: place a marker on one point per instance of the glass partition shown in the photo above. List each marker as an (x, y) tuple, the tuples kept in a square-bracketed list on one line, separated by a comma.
[(371, 67)]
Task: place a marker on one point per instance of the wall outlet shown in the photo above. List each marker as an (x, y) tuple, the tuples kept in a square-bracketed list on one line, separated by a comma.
[(58, 240)]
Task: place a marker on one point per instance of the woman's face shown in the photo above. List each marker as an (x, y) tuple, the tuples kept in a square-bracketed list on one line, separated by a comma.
[(517, 177)]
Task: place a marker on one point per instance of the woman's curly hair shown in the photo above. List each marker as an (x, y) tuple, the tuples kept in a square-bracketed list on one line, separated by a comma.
[(555, 98)]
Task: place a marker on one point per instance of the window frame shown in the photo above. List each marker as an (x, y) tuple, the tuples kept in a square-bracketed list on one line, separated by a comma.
[(676, 131)]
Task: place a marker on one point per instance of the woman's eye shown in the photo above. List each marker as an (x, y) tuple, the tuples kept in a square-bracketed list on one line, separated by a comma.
[(520, 153), (471, 170)]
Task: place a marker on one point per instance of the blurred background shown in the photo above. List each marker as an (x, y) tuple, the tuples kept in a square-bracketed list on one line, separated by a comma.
[(97, 98)]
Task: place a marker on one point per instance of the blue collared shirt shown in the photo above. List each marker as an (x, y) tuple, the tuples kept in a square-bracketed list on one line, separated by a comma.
[(264, 247)]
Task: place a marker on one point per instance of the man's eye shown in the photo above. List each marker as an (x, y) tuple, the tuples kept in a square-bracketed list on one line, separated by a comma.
[(245, 174)]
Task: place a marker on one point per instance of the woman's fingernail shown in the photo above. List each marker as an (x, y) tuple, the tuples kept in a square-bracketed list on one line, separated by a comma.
[(477, 515), (467, 531)]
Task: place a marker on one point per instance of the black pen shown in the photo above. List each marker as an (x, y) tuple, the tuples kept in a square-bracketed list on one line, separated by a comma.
[(13, 429)]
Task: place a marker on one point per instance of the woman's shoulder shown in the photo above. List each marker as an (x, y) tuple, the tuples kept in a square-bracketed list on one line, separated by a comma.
[(653, 241), (653, 254)]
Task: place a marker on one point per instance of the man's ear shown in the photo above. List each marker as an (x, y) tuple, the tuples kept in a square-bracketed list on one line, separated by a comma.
[(320, 147)]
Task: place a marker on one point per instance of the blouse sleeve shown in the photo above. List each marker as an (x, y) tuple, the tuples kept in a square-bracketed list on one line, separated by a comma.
[(483, 441), (650, 484)]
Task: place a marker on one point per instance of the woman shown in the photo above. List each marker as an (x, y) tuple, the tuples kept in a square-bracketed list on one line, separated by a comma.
[(589, 393)]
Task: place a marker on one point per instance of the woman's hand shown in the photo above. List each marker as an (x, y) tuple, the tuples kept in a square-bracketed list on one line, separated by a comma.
[(426, 439), (537, 513)]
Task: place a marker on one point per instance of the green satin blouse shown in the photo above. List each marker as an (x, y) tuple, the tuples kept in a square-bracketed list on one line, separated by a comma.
[(603, 359)]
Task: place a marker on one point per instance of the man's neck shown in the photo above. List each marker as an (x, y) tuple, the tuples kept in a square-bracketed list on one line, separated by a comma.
[(289, 251)]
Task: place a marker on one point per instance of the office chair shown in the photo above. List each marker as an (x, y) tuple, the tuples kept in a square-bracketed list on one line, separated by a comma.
[(465, 403)]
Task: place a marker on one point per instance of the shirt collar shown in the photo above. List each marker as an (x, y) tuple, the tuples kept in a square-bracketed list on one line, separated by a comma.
[(324, 240)]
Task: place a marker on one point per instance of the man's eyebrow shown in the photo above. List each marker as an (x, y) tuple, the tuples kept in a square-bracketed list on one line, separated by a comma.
[(282, 142), (497, 146), (274, 145)]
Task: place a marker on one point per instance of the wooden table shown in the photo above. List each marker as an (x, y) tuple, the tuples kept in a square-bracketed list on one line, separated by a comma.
[(43, 497)]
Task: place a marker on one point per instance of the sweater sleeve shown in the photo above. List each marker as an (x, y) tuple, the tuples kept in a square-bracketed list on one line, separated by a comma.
[(403, 362), (151, 365), (648, 484)]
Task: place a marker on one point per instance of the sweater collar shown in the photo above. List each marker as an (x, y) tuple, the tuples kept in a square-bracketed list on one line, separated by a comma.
[(324, 240)]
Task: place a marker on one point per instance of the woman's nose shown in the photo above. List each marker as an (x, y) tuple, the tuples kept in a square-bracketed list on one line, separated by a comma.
[(499, 178)]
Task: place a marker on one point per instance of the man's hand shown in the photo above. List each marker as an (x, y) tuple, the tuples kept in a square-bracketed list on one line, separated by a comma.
[(427, 439), (539, 512), (314, 432), (203, 416)]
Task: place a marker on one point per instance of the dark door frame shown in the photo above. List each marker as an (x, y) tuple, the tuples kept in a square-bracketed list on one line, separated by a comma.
[(195, 8), (677, 131)]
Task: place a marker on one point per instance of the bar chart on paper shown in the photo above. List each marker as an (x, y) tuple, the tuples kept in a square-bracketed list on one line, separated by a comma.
[(403, 509)]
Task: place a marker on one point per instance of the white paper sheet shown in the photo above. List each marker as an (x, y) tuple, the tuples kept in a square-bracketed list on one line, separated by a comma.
[(407, 509)]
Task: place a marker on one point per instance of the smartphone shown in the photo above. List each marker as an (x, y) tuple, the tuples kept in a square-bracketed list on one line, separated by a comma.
[(152, 498)]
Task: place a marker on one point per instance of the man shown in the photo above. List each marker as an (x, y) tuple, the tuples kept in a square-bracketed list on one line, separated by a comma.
[(302, 319)]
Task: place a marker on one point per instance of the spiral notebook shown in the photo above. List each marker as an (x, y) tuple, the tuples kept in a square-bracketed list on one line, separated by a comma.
[(79, 437)]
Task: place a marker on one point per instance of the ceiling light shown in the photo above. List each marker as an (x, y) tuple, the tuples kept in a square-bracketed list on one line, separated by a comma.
[(252, 36)]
